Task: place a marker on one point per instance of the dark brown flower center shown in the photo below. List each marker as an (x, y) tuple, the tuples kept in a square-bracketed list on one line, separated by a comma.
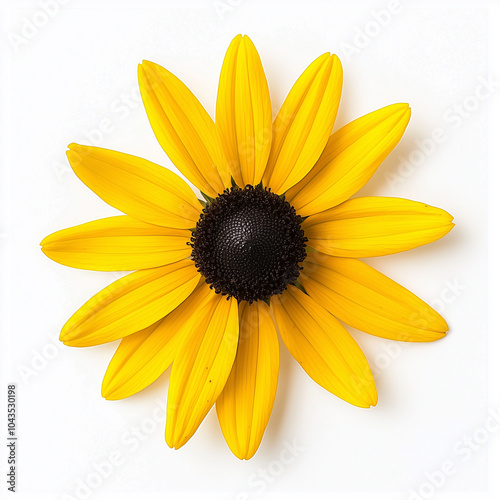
[(248, 243)]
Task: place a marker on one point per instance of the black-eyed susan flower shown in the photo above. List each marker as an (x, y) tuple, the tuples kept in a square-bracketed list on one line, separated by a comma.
[(273, 247)]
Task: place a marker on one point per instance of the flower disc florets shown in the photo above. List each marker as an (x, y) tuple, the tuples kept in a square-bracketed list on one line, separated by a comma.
[(248, 243)]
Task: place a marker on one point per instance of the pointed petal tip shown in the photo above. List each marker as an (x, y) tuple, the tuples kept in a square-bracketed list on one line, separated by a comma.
[(323, 58), (241, 453), (405, 111), (336, 60), (446, 329), (369, 401), (440, 335), (105, 388), (401, 108), (76, 152), (250, 453), (446, 228), (451, 225), (235, 42), (248, 43), (169, 443), (45, 244), (108, 396), (433, 336), (361, 403), (246, 455), (63, 336), (173, 443), (371, 396), (46, 250), (146, 68)]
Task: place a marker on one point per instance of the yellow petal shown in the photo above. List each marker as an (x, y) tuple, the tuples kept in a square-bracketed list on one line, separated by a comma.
[(244, 117), (130, 304), (375, 225), (135, 186), (183, 128), (304, 123), (366, 299), (245, 405), (121, 360), (117, 244), (350, 158), (142, 357), (324, 348), (200, 370)]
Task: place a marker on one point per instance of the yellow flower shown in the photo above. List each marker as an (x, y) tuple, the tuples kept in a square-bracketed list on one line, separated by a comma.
[(273, 248)]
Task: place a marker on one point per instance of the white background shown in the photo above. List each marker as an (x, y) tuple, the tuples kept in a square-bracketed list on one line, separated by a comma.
[(73, 79)]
